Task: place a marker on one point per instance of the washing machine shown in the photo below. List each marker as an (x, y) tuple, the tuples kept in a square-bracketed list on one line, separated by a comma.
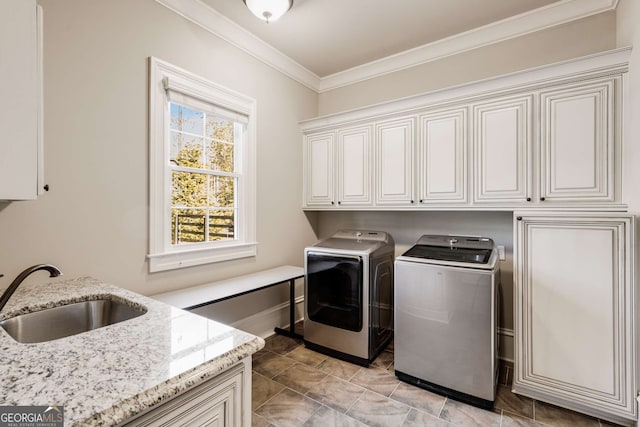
[(349, 295), (446, 317)]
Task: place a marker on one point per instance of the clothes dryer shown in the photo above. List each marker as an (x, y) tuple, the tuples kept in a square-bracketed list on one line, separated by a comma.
[(349, 295)]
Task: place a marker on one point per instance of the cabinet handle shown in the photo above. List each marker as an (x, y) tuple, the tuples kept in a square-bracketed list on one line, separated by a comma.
[(333, 203), (528, 199), (46, 187), (542, 199), (412, 201), (339, 202), (421, 201), (519, 218)]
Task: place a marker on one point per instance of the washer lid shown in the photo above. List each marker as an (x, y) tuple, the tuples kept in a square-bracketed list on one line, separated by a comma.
[(452, 241), (441, 253), (459, 250)]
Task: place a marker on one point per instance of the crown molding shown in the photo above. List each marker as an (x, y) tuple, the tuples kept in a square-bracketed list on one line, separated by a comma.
[(213, 21), (515, 26)]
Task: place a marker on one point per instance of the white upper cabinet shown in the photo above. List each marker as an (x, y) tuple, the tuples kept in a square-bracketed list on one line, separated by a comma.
[(319, 169), (442, 157), (354, 166), (394, 140), (578, 142), (20, 80), (502, 150), (544, 138), (338, 168)]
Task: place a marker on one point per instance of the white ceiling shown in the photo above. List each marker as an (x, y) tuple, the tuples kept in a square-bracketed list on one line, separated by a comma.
[(328, 43)]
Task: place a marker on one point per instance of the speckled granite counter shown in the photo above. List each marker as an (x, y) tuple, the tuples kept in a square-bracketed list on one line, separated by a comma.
[(108, 375)]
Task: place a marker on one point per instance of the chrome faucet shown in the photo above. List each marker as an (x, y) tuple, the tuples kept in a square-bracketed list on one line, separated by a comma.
[(53, 271)]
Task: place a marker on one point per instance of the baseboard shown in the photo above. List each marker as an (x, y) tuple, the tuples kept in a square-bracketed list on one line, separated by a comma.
[(506, 344), (262, 323)]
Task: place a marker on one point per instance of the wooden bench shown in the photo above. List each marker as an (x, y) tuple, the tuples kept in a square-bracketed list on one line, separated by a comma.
[(199, 296)]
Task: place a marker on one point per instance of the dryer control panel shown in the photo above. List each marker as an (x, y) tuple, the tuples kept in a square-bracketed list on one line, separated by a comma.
[(379, 236)]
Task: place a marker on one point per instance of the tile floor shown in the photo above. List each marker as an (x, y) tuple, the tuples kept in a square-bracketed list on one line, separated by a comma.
[(294, 386)]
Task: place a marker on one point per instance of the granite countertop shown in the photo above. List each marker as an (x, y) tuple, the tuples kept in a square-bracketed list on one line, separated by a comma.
[(106, 376)]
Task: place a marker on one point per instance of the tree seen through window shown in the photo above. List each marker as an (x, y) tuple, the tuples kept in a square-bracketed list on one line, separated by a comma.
[(203, 176)]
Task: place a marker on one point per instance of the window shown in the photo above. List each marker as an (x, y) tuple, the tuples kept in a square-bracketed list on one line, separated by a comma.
[(202, 170)]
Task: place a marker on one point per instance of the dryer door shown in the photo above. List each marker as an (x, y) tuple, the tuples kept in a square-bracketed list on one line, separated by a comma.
[(334, 290)]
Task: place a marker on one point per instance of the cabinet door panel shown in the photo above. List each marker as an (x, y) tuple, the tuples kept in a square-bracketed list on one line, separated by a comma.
[(575, 332), (442, 151), (19, 109), (571, 303), (577, 143), (502, 150), (394, 147), (354, 175), (319, 185)]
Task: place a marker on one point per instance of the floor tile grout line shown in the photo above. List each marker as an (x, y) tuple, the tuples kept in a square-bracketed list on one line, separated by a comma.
[(354, 402), (444, 402), (264, 403)]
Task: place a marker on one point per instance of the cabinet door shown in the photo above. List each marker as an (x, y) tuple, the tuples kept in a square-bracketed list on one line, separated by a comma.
[(442, 154), (19, 109), (319, 171), (394, 162), (575, 312), (354, 166), (578, 134), (502, 150), (220, 401)]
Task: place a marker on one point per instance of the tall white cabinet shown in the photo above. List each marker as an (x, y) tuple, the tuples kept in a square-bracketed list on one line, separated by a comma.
[(20, 110), (575, 321)]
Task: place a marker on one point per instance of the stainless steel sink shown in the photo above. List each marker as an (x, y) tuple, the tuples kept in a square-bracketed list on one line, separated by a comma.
[(67, 320)]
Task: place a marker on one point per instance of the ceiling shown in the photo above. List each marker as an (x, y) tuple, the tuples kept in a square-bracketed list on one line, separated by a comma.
[(326, 44), (329, 36)]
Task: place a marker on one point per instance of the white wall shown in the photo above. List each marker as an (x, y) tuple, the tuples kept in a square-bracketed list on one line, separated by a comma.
[(94, 221), (574, 39)]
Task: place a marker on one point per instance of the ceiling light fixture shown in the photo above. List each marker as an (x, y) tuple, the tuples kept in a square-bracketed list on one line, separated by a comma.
[(268, 10)]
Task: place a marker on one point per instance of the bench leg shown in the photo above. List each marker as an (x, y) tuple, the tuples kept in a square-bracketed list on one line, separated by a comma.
[(292, 313)]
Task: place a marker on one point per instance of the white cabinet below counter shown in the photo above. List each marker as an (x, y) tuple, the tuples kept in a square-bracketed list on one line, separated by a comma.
[(223, 401), (550, 138)]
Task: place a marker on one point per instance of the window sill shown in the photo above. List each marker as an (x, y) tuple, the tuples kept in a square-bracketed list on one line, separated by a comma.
[(199, 256)]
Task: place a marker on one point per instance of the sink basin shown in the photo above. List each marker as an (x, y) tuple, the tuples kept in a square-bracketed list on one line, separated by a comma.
[(67, 320)]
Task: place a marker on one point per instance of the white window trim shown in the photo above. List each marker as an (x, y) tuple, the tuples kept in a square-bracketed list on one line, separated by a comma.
[(162, 254)]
